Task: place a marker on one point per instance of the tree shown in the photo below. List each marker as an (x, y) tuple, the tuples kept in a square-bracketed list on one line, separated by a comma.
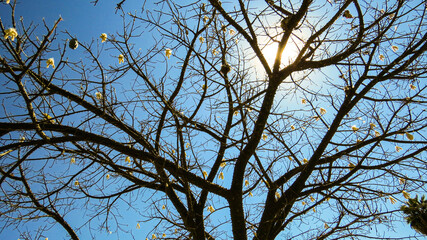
[(416, 214), (204, 133)]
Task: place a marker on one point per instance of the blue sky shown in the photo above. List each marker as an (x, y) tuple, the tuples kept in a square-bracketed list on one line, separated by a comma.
[(80, 17)]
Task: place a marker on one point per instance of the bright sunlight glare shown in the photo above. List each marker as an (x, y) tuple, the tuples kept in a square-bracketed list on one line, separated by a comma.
[(289, 54)]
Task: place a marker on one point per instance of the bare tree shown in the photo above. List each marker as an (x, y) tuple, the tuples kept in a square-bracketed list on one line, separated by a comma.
[(208, 135)]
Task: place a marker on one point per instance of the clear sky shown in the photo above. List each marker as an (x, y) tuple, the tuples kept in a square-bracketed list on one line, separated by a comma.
[(86, 22), (80, 17)]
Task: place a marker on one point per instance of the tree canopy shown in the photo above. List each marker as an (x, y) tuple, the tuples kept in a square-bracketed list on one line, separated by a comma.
[(298, 119)]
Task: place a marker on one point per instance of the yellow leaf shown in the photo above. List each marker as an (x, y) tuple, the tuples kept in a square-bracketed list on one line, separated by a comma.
[(354, 128), (264, 137), (322, 111), (409, 136), (211, 209), (121, 59), (205, 19), (221, 176), (394, 48), (98, 95), (406, 195), (168, 53), (50, 62), (11, 33), (103, 37)]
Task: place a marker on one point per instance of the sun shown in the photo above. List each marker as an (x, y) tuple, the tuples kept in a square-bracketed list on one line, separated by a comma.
[(289, 54), (269, 44), (269, 51)]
